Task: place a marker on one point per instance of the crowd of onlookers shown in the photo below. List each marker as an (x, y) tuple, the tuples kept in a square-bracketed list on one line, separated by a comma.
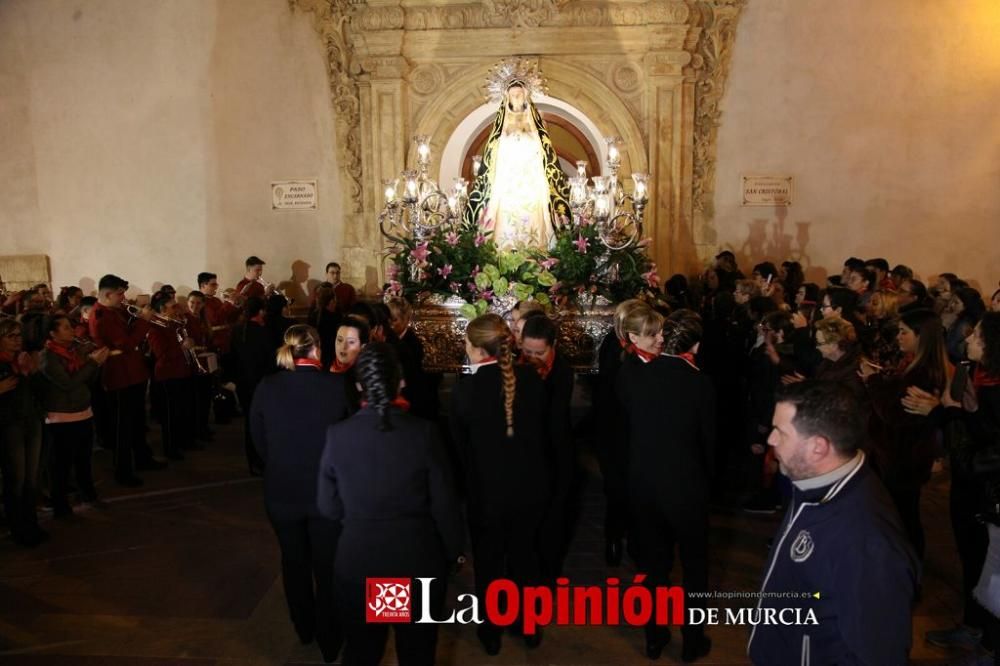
[(786, 393)]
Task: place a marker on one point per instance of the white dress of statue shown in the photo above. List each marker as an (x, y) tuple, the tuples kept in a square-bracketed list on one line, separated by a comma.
[(519, 198)]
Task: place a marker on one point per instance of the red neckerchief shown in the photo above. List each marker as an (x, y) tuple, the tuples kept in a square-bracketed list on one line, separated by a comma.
[(339, 368), (259, 318), (643, 355), (689, 357), (399, 401), (7, 357), (543, 368), (805, 302), (982, 378), (308, 363), (73, 360)]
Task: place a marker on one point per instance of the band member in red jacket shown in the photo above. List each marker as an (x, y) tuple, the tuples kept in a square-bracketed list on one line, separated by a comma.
[(345, 293), (219, 315), (124, 378), (252, 284), (198, 329), (172, 378)]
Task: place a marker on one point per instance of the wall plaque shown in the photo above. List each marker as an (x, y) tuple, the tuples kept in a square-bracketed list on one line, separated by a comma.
[(294, 195), (767, 190)]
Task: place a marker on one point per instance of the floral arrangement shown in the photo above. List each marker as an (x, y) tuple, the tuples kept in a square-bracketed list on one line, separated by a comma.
[(464, 261)]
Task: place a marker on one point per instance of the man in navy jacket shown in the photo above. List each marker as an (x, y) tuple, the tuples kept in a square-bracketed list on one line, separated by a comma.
[(841, 550)]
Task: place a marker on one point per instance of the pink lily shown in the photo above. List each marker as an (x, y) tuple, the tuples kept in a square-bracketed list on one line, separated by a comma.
[(445, 270), (582, 244), (651, 277), (480, 239), (547, 264), (451, 238), (420, 253)]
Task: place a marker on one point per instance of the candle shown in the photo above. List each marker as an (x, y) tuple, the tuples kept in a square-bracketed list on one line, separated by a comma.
[(581, 169), (640, 195), (477, 163), (411, 187), (390, 190), (423, 148)]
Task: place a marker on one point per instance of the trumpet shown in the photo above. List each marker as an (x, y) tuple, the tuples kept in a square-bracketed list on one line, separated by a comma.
[(158, 320)]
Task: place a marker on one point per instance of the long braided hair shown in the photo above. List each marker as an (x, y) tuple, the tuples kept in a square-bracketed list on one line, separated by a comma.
[(490, 332), (379, 374)]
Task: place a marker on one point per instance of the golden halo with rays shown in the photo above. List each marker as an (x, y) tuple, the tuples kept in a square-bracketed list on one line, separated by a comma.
[(514, 70)]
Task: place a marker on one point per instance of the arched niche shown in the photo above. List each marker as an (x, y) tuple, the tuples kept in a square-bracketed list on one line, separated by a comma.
[(572, 91)]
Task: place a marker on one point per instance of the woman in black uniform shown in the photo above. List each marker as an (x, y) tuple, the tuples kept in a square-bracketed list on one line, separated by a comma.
[(289, 416), (671, 415), (385, 475), (499, 428)]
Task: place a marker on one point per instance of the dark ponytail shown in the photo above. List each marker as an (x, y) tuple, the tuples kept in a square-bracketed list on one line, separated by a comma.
[(377, 370)]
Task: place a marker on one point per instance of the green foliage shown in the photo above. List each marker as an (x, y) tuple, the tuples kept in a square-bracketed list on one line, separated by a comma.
[(465, 262)]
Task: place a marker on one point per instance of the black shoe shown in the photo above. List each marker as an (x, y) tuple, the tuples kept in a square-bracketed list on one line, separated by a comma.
[(174, 455), (62, 512), (534, 640), (654, 648), (131, 481), (150, 465), (696, 649), (613, 552), (490, 641), (330, 648)]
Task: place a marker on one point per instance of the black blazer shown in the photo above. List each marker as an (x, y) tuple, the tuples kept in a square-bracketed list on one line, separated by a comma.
[(421, 387), (394, 493), (502, 474), (253, 347), (561, 459), (671, 416), (289, 416)]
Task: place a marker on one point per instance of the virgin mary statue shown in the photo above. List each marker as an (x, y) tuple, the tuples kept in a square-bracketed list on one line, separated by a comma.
[(520, 193)]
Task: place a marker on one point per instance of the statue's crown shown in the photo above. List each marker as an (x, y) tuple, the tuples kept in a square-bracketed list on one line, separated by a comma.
[(514, 70)]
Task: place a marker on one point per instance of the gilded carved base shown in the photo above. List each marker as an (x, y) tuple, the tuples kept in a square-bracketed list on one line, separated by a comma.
[(441, 329), (651, 72)]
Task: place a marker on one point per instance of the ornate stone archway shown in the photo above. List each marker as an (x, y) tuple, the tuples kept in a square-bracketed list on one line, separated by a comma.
[(652, 73)]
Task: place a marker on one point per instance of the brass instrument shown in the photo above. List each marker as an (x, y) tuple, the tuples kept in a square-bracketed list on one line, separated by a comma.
[(157, 320), (190, 354)]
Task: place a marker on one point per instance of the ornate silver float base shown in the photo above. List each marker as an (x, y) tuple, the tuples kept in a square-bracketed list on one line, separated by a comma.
[(441, 329)]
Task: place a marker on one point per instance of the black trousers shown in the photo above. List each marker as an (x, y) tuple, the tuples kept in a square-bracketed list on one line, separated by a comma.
[(204, 390), (126, 434), (176, 399), (906, 497), (308, 546), (971, 538), (72, 446), (613, 461), (416, 644), (504, 546), (659, 530), (244, 392)]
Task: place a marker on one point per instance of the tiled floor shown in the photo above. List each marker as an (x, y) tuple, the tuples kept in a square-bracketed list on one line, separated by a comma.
[(186, 572)]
